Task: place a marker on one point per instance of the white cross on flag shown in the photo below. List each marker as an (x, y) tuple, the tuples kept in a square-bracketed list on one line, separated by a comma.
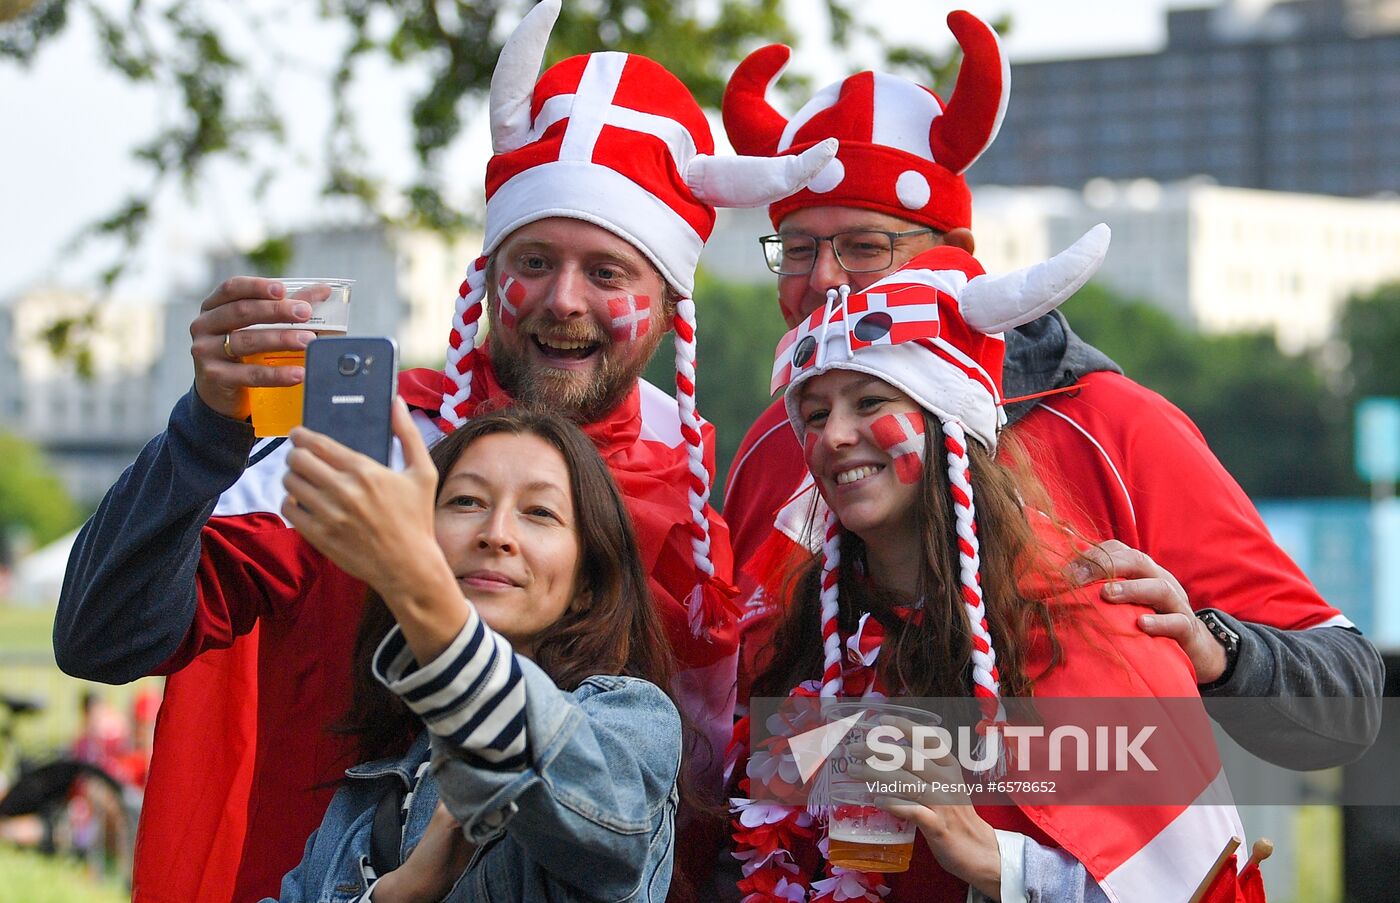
[(893, 314), (631, 317), (902, 438), (509, 298)]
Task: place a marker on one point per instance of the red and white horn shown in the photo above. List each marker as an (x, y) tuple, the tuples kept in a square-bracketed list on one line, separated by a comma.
[(513, 82), (973, 114), (993, 304), (752, 124), (755, 181)]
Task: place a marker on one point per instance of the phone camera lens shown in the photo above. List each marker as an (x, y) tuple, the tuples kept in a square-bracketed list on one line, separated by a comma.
[(349, 364)]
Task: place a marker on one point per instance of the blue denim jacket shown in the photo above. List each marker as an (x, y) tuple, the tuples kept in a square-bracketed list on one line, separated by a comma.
[(590, 818)]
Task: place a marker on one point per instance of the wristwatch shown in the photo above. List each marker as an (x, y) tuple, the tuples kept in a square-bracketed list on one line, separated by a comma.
[(1226, 636)]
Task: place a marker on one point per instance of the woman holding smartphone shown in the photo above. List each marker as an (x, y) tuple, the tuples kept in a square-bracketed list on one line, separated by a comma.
[(509, 616)]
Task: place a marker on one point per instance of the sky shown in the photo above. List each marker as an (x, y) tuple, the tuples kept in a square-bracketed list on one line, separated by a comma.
[(71, 125)]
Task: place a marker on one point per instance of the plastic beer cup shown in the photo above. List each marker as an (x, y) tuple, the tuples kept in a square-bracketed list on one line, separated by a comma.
[(866, 838), (860, 834), (276, 410)]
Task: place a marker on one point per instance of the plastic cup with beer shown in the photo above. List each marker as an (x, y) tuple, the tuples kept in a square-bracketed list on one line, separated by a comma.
[(277, 409), (861, 835)]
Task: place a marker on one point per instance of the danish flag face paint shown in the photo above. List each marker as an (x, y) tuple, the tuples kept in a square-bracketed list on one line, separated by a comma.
[(630, 317), (901, 436), (809, 443), (509, 299)]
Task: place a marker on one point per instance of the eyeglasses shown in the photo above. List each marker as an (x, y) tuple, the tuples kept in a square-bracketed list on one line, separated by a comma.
[(857, 251)]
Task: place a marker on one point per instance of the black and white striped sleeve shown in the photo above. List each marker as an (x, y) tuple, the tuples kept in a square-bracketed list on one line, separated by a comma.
[(472, 695)]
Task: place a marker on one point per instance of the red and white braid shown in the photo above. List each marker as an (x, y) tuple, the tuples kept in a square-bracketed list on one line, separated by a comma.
[(986, 684), (461, 347), (699, 488), (832, 682)]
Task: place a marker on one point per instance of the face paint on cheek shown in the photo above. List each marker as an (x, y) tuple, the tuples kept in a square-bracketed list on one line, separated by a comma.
[(630, 317), (510, 297), (901, 436), (809, 445)]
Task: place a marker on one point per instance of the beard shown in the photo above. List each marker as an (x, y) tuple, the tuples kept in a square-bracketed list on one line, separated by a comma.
[(583, 397)]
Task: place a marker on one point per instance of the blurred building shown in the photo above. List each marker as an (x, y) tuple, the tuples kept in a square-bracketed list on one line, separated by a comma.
[(89, 427), (1218, 259), (1297, 95)]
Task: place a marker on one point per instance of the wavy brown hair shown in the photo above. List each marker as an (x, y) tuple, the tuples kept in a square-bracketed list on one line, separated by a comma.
[(619, 632), (934, 658)]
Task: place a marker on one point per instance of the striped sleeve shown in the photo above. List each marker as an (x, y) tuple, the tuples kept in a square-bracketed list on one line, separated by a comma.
[(472, 695)]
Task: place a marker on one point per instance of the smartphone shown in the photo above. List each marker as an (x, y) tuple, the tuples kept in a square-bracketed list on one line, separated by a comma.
[(350, 384)]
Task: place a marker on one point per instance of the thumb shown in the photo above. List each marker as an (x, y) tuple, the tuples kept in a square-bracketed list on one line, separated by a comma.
[(415, 452)]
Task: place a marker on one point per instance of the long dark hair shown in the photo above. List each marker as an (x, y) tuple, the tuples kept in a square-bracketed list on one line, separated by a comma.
[(933, 658), (619, 632)]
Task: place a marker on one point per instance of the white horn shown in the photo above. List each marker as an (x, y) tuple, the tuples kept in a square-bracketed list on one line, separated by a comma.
[(997, 303), (513, 82), (755, 181)]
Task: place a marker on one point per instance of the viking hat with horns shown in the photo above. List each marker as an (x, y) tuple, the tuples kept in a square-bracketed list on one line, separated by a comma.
[(903, 151), (615, 140), (932, 329)]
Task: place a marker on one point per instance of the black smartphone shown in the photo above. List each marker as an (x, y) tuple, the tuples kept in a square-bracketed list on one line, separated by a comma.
[(350, 384)]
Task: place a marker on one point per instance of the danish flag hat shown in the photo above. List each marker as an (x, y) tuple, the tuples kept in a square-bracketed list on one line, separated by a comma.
[(933, 330), (615, 140), (903, 150)]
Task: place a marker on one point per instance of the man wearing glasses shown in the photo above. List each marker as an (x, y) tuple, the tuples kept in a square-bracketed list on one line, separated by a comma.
[(1125, 467)]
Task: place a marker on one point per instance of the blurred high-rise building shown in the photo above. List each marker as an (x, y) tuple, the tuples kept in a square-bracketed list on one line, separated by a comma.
[(1295, 95)]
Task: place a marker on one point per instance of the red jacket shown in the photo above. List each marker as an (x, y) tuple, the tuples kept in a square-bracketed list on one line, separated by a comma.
[(244, 765)]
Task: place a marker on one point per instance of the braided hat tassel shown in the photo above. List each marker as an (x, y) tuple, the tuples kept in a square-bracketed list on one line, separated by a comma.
[(461, 348), (698, 489), (832, 680), (986, 683)]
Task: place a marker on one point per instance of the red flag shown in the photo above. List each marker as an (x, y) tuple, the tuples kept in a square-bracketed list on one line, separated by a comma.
[(897, 313)]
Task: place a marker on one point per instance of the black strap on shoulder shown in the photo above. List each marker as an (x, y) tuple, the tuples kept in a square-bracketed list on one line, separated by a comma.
[(386, 833)]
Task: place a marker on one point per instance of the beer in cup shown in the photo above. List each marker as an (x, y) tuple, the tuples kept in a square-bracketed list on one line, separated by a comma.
[(276, 410), (860, 834), (866, 838)]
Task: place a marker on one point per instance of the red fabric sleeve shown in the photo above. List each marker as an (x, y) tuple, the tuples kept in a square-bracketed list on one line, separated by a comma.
[(1120, 461)]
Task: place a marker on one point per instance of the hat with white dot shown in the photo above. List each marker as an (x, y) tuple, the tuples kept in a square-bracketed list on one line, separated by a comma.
[(903, 150)]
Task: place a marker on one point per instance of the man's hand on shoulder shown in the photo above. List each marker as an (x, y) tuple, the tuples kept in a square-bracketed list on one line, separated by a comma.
[(1132, 576)]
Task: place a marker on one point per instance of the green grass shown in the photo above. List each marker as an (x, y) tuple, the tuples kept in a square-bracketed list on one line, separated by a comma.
[(27, 669), (31, 878), (27, 629)]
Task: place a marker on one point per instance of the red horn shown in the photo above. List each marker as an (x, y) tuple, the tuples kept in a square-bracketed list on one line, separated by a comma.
[(750, 121), (974, 112)]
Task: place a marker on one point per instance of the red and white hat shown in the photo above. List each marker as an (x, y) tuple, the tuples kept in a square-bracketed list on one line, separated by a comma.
[(903, 151), (615, 140), (932, 329)]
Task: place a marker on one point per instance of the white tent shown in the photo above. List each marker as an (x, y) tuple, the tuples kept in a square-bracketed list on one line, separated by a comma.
[(38, 577)]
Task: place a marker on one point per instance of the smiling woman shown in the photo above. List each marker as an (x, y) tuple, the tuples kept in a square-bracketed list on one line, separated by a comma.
[(509, 616)]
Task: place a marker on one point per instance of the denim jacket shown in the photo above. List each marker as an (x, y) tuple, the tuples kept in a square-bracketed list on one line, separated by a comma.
[(590, 817)]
